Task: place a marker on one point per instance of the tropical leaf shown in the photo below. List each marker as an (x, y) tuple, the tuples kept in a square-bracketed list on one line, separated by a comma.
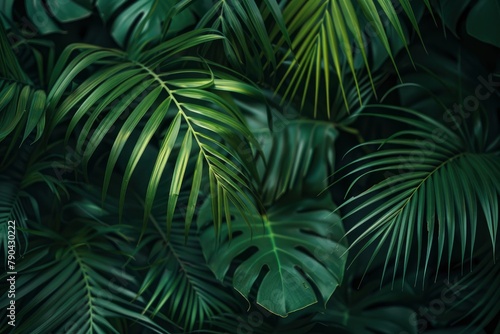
[(474, 296), (300, 156), (80, 279), (238, 20), (436, 185), (295, 238), (22, 106), (479, 17), (371, 309), (171, 96), (322, 35), (298, 243), (176, 271), (12, 208), (45, 16), (150, 19), (260, 322), (26, 175)]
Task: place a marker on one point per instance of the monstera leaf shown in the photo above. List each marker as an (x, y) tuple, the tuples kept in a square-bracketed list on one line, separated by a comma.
[(299, 244), (371, 309), (149, 17), (45, 15), (479, 17)]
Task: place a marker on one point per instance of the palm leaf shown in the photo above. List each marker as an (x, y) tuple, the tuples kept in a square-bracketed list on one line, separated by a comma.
[(435, 198), (74, 277), (12, 208), (238, 20), (22, 106), (176, 270), (24, 178), (475, 294), (323, 34), (171, 96)]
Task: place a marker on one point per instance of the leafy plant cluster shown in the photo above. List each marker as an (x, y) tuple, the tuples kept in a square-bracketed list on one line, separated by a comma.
[(251, 166)]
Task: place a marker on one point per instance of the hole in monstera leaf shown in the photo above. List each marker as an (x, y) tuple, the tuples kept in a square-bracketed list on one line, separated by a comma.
[(256, 285), (308, 282), (242, 257)]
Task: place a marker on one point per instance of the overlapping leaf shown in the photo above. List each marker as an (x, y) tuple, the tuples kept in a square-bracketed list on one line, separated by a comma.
[(478, 16), (296, 240), (475, 295), (80, 280)]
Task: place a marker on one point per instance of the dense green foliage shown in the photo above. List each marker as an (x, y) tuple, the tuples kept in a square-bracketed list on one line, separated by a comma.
[(251, 166)]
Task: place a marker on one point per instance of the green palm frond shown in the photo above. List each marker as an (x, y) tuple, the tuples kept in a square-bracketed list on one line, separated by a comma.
[(172, 275), (12, 208), (475, 295), (438, 186), (177, 271), (169, 91), (323, 35), (22, 106), (238, 20), (79, 278), (23, 180)]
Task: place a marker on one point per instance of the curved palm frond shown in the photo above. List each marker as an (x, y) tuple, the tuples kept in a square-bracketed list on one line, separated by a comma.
[(170, 90), (437, 185), (323, 34)]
